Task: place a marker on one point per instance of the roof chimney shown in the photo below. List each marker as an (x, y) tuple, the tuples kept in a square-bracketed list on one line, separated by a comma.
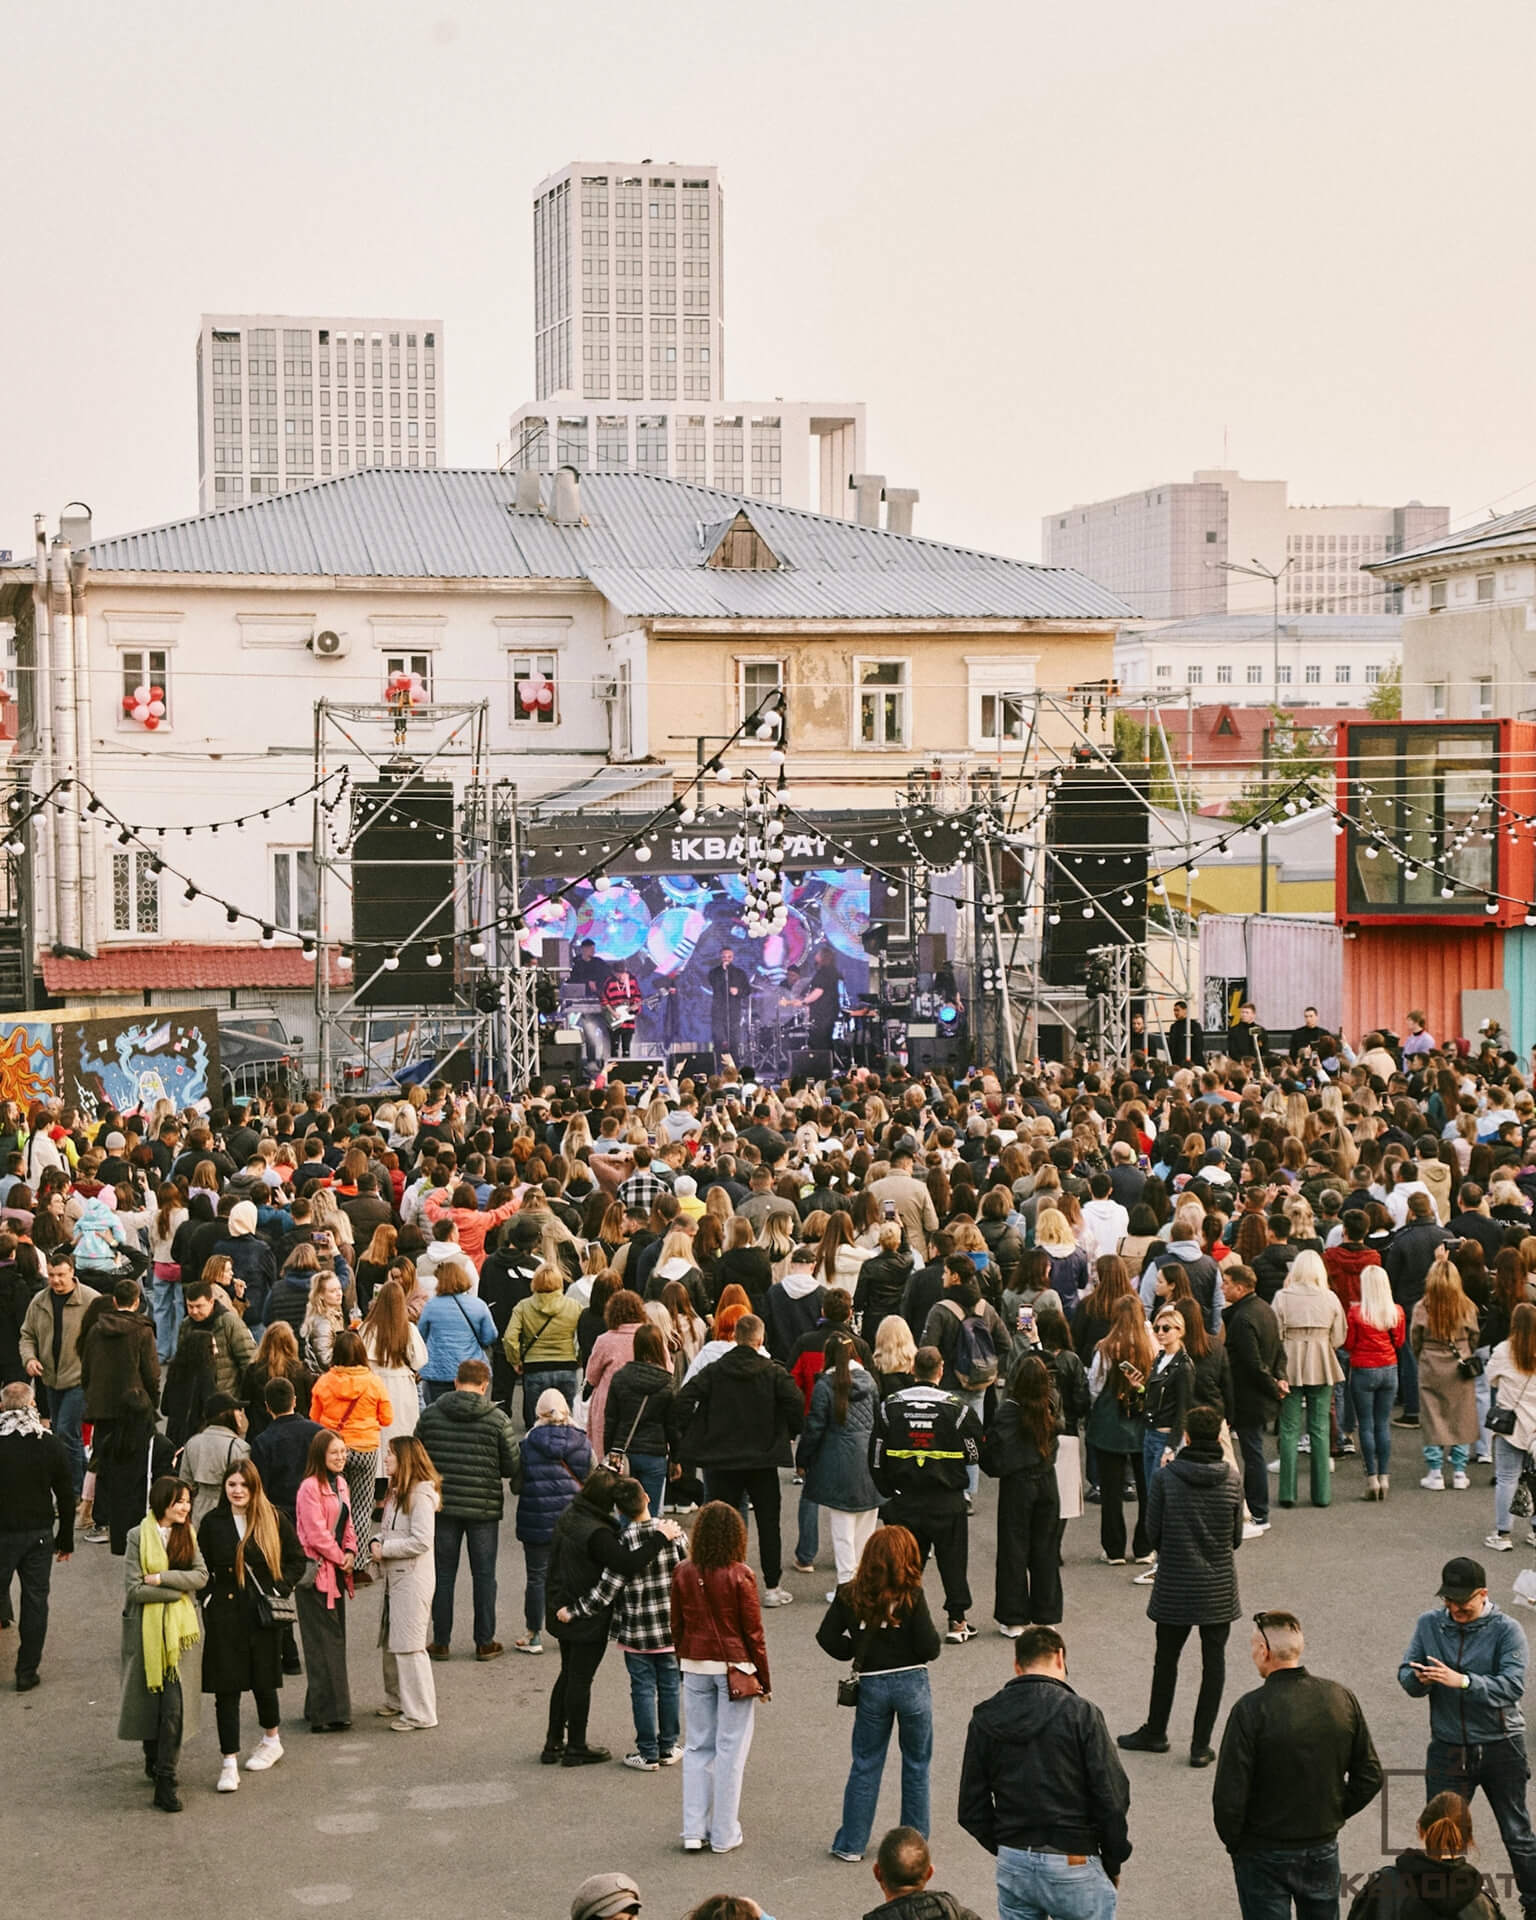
[(75, 525), (527, 498), (899, 502), (868, 487), (565, 503)]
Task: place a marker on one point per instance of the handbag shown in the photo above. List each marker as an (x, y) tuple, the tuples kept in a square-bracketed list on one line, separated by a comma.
[(848, 1685), (1069, 1475), (739, 1684), (1502, 1419), (617, 1458)]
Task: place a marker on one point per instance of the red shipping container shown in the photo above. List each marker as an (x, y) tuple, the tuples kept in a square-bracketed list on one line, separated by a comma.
[(1390, 971), (1434, 791)]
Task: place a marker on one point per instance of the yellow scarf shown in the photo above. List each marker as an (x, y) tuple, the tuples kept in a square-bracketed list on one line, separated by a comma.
[(169, 1627)]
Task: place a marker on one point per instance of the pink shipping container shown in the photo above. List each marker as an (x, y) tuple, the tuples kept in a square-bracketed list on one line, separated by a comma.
[(1290, 961), (1390, 970)]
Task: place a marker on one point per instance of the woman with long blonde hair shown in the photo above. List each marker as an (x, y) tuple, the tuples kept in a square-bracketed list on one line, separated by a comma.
[(1311, 1322), (326, 1216), (324, 1318), (402, 1551), (396, 1354), (254, 1559), (1373, 1338), (1443, 1333)]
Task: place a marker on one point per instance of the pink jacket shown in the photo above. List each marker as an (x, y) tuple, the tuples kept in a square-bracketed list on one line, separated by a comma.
[(611, 1350), (473, 1227), (316, 1509)]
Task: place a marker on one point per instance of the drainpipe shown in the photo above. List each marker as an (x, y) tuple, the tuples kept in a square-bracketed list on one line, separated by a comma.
[(46, 829), (67, 842), (85, 754)]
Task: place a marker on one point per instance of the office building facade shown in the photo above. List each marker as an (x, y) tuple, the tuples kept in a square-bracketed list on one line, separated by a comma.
[(284, 399)]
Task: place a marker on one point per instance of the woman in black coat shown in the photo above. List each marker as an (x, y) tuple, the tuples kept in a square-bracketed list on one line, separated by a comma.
[(254, 1563), (1019, 1452), (638, 1420), (1195, 1524)]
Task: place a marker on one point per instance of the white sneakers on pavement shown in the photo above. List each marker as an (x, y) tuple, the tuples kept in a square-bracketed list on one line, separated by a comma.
[(229, 1774), (268, 1752), (778, 1597)]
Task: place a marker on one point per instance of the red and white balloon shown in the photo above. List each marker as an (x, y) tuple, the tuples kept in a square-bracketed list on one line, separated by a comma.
[(405, 690), (535, 694), (146, 705)]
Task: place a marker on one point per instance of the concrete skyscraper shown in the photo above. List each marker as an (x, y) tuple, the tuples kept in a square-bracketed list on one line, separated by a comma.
[(283, 400)]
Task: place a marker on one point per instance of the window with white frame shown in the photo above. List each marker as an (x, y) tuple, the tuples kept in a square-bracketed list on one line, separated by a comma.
[(1341, 674), (146, 683), (756, 680), (1194, 676), (1255, 676), (1165, 671), (1224, 674), (1373, 676), (1001, 701), (882, 688), (1482, 692), (295, 901), (535, 689), (135, 892), (418, 663)]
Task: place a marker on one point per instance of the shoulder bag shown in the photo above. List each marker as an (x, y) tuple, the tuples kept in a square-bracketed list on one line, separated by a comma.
[(848, 1686), (617, 1458), (739, 1684), (1502, 1419)]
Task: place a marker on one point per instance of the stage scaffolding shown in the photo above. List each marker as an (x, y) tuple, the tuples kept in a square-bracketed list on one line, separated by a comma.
[(486, 1030)]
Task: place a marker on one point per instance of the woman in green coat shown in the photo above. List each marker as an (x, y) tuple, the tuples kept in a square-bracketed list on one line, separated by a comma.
[(162, 1651)]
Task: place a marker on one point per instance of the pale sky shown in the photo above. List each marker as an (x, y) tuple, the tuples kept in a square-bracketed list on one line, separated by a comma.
[(1059, 251)]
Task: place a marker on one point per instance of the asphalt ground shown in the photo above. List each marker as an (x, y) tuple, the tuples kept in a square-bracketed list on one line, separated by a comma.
[(465, 1820)]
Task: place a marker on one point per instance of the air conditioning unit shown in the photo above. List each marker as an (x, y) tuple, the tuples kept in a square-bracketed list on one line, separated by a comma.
[(328, 644), (605, 689)]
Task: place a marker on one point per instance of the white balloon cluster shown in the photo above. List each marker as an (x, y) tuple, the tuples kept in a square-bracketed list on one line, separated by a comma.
[(763, 815)]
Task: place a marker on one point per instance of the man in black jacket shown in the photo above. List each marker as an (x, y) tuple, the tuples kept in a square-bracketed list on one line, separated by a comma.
[(1256, 1354), (924, 1446), (738, 1416), (1475, 1222), (473, 1447), (37, 1518), (1296, 1763), (1186, 1038), (903, 1869), (1041, 1779)]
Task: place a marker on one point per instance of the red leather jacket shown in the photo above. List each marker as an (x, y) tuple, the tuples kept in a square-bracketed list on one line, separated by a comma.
[(715, 1616)]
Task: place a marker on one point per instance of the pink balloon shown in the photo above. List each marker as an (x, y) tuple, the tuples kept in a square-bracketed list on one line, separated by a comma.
[(546, 695), (141, 714), (157, 709), (141, 693), (528, 695)]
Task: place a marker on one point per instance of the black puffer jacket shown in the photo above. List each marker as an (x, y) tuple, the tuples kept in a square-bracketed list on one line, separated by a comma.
[(926, 1905), (740, 1411), (882, 1281), (585, 1545), (640, 1390), (472, 1446), (1195, 1523)]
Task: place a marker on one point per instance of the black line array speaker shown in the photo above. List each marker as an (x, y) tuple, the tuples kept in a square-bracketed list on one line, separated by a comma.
[(402, 876), (1096, 850)]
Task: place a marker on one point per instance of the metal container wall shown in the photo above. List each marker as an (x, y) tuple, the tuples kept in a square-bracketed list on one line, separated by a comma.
[(1389, 970), (1520, 985), (1290, 961)]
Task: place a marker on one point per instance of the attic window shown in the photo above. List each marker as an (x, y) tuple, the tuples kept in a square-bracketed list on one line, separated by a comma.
[(742, 548), (1224, 724)]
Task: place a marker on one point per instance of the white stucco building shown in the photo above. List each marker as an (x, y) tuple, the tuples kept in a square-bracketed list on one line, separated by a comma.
[(1322, 659)]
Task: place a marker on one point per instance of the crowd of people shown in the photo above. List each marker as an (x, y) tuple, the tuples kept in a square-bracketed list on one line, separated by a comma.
[(275, 1354)]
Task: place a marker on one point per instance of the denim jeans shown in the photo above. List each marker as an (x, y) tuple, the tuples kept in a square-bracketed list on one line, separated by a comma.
[(714, 1759), (901, 1700), (1270, 1879), (1408, 1375), (65, 1408), (1440, 1459), (1484, 1401), (1250, 1445), (1507, 1462), (1343, 1401), (434, 1390), (650, 1469), (482, 1536), (1311, 1403), (654, 1690), (537, 1380), (536, 1565), (1044, 1886), (1502, 1771), (168, 1308), (31, 1556), (808, 1532), (1153, 1446), (1373, 1389)]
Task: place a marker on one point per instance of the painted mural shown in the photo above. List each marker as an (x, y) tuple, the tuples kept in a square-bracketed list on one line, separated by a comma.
[(129, 1062), (126, 1061)]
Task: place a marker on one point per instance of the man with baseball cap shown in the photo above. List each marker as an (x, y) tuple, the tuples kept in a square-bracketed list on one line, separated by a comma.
[(1470, 1659), (605, 1896)]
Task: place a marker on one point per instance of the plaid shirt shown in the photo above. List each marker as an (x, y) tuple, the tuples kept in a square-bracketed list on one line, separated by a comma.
[(642, 1603), (641, 1189)]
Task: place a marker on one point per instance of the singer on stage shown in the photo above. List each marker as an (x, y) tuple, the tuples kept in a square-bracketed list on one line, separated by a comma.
[(823, 1001), (727, 993)]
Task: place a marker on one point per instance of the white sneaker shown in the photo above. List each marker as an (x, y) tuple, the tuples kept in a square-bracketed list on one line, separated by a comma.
[(639, 1764), (1460, 1481), (1304, 1444), (1145, 1579), (229, 1775), (1253, 1531), (1500, 1543), (778, 1597), (1273, 1467), (267, 1754), (1008, 1633), (1434, 1481)]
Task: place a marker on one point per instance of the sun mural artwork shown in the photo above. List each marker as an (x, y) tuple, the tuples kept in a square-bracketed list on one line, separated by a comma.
[(26, 1064)]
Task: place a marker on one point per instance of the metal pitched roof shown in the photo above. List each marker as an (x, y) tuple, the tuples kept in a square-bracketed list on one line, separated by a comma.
[(1498, 531), (639, 544)]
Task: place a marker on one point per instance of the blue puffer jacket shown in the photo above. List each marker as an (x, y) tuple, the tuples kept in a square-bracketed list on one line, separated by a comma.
[(1491, 1650), (556, 1459)]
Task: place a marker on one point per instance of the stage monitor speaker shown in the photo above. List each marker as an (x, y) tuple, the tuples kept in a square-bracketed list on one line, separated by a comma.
[(402, 880), (556, 955), (937, 1052), (1052, 1039), (630, 1071), (559, 1056), (1095, 852), (932, 952), (688, 1064)]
